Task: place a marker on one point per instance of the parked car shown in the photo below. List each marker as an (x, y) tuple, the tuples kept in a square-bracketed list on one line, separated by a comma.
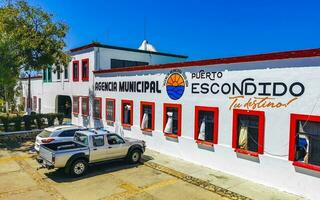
[(89, 147), (55, 134)]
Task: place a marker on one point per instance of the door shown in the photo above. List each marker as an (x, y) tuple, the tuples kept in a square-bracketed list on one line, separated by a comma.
[(116, 146), (98, 152)]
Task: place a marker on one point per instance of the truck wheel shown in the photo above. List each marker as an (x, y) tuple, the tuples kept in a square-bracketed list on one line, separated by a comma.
[(78, 168), (134, 156)]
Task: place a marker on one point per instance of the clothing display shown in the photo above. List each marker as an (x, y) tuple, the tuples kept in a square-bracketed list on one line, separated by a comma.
[(169, 124), (145, 121), (243, 137), (127, 110), (202, 131)]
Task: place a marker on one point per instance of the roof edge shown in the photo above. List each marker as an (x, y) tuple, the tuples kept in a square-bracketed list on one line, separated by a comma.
[(228, 60), (95, 44), (33, 77)]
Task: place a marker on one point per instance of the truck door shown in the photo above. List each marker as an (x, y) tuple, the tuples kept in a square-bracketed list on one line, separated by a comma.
[(98, 148), (116, 146)]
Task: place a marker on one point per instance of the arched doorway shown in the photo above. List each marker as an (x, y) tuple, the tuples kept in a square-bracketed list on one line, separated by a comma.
[(64, 105)]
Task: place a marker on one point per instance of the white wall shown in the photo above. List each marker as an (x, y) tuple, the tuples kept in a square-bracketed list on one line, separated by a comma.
[(107, 54), (272, 168)]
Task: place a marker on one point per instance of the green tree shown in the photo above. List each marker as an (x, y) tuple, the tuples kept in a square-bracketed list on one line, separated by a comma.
[(30, 40)]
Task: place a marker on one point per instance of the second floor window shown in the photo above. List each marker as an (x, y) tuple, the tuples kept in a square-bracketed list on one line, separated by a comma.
[(85, 70), (75, 70)]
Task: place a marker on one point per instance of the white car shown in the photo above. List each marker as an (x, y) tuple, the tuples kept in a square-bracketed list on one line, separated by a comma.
[(54, 134)]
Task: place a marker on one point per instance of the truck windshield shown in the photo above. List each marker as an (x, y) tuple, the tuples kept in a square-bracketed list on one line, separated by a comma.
[(81, 138)]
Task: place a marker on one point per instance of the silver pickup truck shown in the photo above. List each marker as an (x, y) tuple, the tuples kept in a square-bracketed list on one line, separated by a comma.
[(89, 147)]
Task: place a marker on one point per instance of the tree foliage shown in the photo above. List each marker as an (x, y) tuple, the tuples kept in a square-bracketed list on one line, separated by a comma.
[(29, 40)]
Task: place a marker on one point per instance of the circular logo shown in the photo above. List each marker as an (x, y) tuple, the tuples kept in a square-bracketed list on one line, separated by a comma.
[(175, 86)]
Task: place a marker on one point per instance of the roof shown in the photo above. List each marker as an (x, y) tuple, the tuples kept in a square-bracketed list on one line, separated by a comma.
[(95, 44), (229, 60)]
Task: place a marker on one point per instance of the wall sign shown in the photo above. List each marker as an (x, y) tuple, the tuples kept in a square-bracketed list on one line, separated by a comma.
[(175, 83)]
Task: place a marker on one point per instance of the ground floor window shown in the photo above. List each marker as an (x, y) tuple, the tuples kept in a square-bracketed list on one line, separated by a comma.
[(172, 119), (127, 112), (147, 115), (97, 108), (75, 105), (248, 132), (305, 141), (85, 106), (110, 110), (206, 125)]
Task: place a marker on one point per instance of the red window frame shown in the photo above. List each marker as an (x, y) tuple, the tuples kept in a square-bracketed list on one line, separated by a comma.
[(123, 101), (77, 111), (179, 107), (114, 109), (83, 99), (261, 116), (86, 60), (77, 72), (215, 111), (152, 104), (100, 100), (292, 140)]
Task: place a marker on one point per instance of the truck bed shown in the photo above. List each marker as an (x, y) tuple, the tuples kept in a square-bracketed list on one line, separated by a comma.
[(63, 146)]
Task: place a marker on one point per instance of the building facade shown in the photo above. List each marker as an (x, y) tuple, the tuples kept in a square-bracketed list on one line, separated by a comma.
[(257, 117)]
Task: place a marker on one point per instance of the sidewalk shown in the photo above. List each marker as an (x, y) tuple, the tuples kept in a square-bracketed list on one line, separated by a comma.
[(228, 182)]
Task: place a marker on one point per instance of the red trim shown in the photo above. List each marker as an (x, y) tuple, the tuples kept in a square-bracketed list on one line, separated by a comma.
[(249, 153), (75, 78), (172, 105), (251, 58), (152, 104), (130, 102), (306, 166), (100, 114), (73, 111), (292, 140), (86, 60), (83, 99), (202, 142), (260, 114), (114, 109), (171, 135), (215, 111)]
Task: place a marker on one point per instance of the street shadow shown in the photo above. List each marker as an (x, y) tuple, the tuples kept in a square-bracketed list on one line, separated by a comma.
[(59, 175)]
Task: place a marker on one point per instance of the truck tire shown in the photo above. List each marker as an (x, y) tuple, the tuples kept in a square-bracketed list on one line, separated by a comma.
[(78, 168), (134, 156)]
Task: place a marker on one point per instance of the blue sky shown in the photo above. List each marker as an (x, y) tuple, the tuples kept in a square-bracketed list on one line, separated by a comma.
[(199, 29)]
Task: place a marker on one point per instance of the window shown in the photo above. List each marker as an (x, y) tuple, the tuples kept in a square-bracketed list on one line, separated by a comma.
[(66, 72), (97, 107), (44, 75), (110, 110), (68, 133), (206, 125), (98, 140), (58, 72), (304, 147), (147, 115), (49, 69), (85, 70), (172, 119), (75, 106), (34, 103), (116, 63), (127, 112), (248, 132), (85, 106), (75, 70), (114, 139)]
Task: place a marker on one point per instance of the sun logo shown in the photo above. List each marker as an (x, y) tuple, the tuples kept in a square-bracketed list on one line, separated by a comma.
[(175, 85)]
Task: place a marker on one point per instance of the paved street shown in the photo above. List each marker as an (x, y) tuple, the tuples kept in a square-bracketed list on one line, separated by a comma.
[(19, 179)]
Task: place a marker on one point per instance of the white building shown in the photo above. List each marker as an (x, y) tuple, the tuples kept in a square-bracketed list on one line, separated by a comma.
[(257, 117)]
